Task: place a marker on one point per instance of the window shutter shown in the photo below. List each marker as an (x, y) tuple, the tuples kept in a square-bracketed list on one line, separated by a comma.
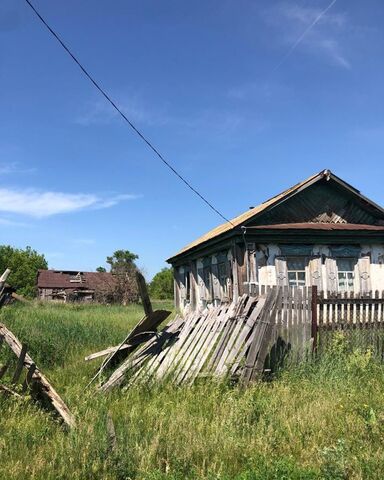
[(251, 262), (183, 292), (364, 269), (281, 272), (331, 273), (315, 273), (200, 274)]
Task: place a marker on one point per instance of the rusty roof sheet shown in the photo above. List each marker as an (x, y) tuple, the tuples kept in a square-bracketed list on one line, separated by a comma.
[(61, 279), (320, 226), (239, 220)]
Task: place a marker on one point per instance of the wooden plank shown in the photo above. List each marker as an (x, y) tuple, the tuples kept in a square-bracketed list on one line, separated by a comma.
[(314, 318), (189, 347), (202, 360), (20, 298), (239, 323), (264, 348), (234, 310), (201, 346), (179, 341), (195, 348), (143, 292), (163, 364), (20, 364), (351, 301), (258, 338), (146, 324), (234, 359), (45, 389), (140, 356), (138, 339), (206, 349), (28, 379)]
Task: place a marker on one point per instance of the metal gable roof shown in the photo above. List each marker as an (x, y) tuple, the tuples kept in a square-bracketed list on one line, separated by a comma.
[(245, 217)]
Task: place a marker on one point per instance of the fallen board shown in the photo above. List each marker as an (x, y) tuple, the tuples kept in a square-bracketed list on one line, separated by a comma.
[(42, 388)]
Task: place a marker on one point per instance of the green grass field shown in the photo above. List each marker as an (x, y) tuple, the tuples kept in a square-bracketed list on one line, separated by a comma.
[(320, 420)]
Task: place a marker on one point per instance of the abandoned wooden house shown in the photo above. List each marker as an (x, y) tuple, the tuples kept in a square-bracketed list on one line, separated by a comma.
[(67, 285), (320, 232)]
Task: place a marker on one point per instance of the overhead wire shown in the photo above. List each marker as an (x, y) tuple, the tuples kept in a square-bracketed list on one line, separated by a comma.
[(126, 119)]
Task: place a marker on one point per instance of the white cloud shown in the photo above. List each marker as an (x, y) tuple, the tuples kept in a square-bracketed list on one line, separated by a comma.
[(40, 204), (100, 111), (13, 167), (316, 30)]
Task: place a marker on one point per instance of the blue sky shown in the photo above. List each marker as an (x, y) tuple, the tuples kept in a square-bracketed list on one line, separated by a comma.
[(245, 98)]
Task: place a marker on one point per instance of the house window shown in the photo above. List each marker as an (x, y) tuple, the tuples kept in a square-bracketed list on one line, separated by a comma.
[(222, 271), (296, 271), (185, 282), (346, 273)]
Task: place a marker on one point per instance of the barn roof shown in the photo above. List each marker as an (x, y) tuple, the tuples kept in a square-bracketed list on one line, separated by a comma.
[(62, 279), (250, 214)]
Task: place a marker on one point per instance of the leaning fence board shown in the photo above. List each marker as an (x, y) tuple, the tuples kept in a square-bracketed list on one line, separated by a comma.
[(43, 388), (137, 359), (244, 340)]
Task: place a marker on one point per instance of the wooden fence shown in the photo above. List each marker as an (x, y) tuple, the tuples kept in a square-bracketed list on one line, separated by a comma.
[(359, 318), (243, 340)]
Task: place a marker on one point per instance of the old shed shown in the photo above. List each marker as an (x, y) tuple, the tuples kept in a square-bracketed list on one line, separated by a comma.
[(68, 285)]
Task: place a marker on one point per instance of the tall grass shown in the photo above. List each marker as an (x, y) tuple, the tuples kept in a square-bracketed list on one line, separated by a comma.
[(322, 419)]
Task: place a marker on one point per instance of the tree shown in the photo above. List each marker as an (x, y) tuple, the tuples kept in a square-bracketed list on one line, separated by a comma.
[(24, 265), (123, 267), (101, 269), (161, 286), (122, 261)]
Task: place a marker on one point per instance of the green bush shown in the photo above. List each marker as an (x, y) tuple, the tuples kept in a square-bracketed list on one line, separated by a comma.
[(24, 265), (161, 286)]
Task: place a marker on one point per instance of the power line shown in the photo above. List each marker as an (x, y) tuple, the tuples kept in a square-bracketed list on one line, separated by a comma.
[(135, 129)]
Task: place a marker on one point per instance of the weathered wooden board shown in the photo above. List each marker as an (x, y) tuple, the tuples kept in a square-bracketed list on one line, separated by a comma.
[(42, 387)]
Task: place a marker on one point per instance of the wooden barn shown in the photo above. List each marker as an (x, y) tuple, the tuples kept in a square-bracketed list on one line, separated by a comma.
[(67, 285), (320, 232)]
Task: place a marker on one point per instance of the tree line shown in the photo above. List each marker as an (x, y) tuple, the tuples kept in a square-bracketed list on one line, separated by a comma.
[(25, 263)]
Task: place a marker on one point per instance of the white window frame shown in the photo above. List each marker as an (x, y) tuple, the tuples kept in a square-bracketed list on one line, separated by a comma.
[(297, 282), (349, 279)]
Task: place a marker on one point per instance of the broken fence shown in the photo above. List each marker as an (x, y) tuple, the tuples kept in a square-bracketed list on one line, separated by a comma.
[(236, 340)]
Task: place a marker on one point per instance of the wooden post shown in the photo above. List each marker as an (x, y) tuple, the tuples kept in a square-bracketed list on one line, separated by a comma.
[(314, 318), (143, 291), (20, 364), (28, 380), (111, 432)]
